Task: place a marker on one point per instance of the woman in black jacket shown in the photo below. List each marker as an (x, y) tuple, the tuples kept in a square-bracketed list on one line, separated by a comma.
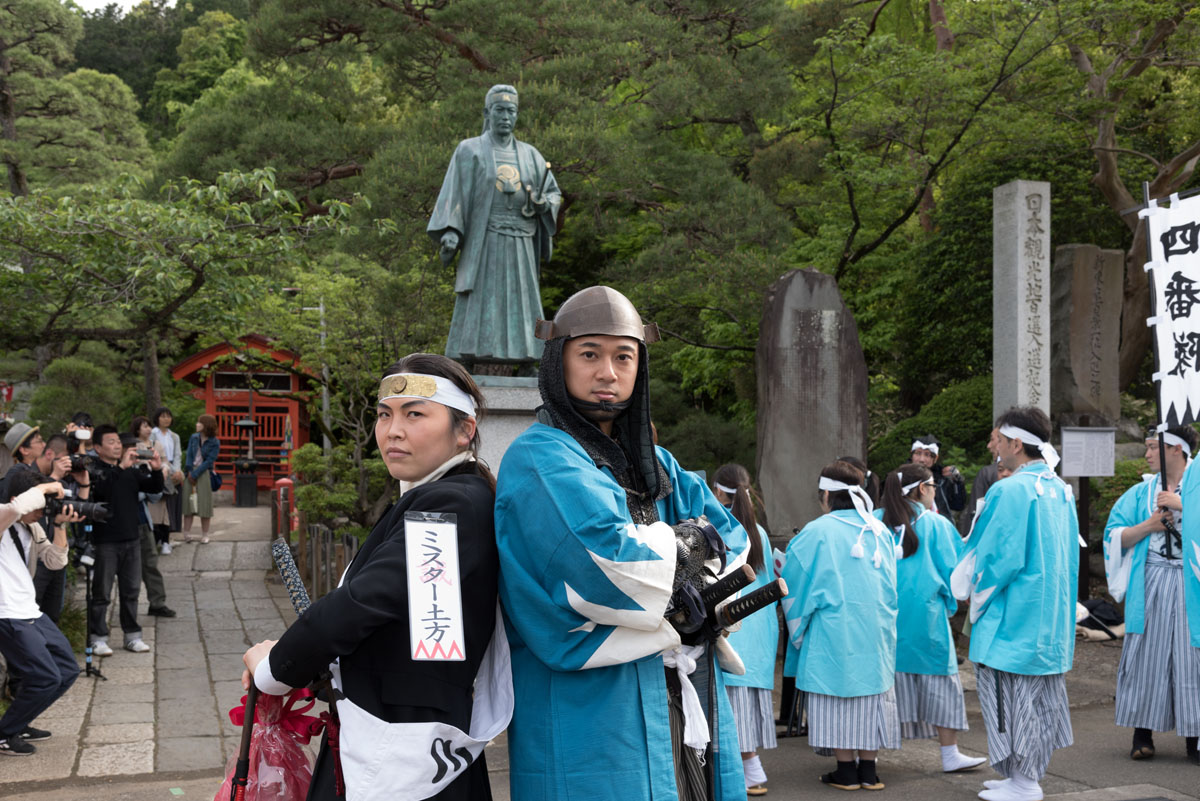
[(427, 435)]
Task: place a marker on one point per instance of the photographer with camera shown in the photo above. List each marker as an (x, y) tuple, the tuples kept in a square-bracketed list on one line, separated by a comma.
[(951, 494), (117, 539), (31, 644), (29, 452), (151, 506), (50, 583)]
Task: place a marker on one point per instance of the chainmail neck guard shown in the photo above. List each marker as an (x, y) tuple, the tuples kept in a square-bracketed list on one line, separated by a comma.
[(628, 453)]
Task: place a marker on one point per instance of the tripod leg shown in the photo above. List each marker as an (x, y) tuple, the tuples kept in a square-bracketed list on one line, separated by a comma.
[(90, 669)]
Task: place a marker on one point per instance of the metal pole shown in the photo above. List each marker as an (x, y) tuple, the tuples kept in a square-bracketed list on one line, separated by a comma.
[(1158, 411)]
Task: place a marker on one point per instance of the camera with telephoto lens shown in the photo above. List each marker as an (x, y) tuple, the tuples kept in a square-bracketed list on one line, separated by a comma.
[(89, 510)]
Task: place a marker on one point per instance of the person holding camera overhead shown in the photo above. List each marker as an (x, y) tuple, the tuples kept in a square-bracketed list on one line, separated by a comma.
[(118, 544), (201, 459), (29, 641)]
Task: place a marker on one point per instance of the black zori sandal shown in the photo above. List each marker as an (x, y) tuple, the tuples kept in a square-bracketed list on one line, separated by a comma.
[(844, 778), (868, 779), (1143, 744)]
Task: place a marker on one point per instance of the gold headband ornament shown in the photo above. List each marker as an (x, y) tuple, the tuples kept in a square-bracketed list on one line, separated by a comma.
[(426, 387)]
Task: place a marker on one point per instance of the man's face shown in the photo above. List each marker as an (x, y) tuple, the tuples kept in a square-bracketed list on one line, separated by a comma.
[(33, 449), (1175, 456), (994, 442), (1010, 453), (924, 457), (109, 447), (502, 117), (601, 368)]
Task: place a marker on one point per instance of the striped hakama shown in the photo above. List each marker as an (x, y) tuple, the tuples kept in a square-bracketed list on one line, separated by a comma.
[(754, 716), (861, 723), (1158, 680), (1037, 720), (926, 701)]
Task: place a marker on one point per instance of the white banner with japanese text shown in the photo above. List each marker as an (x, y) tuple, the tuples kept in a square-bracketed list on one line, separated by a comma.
[(1174, 235)]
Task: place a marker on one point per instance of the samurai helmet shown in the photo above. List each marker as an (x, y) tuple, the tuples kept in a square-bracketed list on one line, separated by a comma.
[(599, 310)]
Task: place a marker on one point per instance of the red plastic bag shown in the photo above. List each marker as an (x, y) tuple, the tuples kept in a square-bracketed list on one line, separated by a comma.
[(280, 769)]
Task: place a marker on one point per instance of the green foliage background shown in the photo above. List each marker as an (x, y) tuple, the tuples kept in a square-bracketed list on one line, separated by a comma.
[(181, 175)]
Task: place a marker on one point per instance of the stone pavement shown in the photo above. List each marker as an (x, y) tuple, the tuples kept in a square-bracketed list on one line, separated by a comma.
[(165, 712), (158, 729)]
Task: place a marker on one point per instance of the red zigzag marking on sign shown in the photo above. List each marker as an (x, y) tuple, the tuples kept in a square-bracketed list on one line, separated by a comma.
[(438, 652)]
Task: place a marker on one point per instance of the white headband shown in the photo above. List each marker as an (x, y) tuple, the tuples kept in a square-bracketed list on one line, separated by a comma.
[(1046, 449), (725, 489), (907, 488), (862, 505), (1173, 439), (426, 387), (927, 446)]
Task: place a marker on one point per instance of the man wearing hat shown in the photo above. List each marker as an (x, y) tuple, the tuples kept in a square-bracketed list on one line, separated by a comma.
[(30, 453), (590, 523)]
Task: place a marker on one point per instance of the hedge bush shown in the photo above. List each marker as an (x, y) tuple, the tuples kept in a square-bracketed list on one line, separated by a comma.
[(960, 416)]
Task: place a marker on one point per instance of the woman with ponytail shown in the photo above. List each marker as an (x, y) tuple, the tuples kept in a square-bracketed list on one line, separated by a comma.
[(757, 640), (928, 690), (443, 687), (841, 615)]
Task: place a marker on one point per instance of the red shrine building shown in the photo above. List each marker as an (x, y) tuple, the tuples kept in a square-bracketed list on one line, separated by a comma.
[(224, 376)]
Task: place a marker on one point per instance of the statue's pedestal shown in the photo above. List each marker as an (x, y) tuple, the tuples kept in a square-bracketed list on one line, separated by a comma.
[(510, 410)]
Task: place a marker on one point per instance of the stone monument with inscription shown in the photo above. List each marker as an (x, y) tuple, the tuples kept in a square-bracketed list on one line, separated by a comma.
[(1085, 305), (812, 394), (1021, 295)]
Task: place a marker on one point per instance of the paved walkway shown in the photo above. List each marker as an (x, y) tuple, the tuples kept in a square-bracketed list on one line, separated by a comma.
[(165, 712)]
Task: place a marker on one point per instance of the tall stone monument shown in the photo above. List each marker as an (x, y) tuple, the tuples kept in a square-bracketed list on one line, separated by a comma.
[(1021, 295), (812, 394), (1085, 305)]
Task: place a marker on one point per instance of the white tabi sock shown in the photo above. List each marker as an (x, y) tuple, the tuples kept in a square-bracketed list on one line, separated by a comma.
[(755, 774), (953, 760), (1017, 788)]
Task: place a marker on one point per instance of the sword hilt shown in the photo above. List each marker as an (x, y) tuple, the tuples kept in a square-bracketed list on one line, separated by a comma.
[(742, 608)]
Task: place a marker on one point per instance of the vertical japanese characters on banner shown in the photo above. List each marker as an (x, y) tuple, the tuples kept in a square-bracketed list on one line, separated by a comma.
[(435, 620), (1174, 236)]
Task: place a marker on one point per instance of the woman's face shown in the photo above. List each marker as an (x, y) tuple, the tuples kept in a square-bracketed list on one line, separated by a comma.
[(927, 491), (165, 420), (144, 430), (199, 427), (416, 436)]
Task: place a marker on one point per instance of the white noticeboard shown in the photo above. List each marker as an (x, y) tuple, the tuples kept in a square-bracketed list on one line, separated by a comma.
[(435, 619), (1088, 451)]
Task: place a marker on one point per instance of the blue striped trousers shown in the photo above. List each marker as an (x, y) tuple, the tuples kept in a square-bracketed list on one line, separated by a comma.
[(1158, 680)]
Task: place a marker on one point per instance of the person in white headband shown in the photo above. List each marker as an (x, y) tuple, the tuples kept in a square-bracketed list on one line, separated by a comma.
[(412, 634), (757, 641), (841, 617), (1019, 572), (951, 495), (929, 693), (1143, 557)]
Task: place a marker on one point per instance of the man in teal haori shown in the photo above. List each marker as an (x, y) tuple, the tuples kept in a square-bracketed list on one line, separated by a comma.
[(596, 526), (497, 209), (1020, 570)]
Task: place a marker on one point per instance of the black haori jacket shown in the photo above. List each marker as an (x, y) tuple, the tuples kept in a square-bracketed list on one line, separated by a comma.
[(365, 623)]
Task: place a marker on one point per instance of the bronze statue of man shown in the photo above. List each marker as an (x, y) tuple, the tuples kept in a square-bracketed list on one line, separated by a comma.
[(497, 209)]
